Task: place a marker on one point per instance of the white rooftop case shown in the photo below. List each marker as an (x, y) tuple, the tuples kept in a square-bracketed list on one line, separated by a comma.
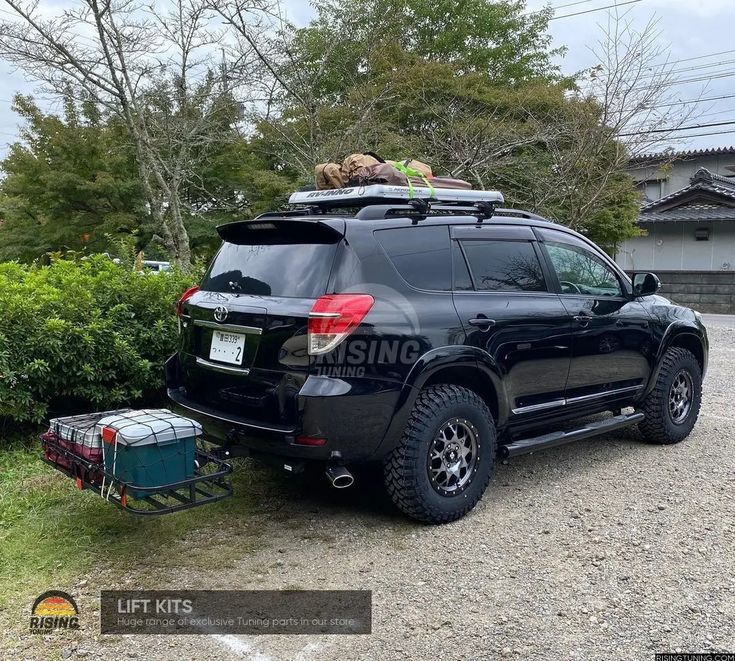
[(355, 196)]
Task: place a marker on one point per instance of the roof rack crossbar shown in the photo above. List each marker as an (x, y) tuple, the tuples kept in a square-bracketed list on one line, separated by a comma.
[(423, 209), (380, 211)]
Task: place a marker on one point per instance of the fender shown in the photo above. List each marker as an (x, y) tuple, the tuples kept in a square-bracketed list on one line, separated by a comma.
[(424, 369), (674, 331)]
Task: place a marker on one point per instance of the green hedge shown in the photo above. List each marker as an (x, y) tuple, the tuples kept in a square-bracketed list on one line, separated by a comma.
[(82, 335)]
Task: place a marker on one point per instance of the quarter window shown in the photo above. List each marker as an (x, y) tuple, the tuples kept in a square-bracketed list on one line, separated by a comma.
[(420, 254), (581, 272), (504, 266)]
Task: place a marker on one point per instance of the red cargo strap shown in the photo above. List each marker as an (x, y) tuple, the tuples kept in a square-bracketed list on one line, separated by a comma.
[(109, 435)]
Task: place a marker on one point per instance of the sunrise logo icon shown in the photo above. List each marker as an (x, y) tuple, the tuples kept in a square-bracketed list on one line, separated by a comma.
[(54, 610)]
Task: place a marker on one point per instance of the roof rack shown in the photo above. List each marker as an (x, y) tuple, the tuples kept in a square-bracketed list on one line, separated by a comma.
[(362, 196), (420, 209)]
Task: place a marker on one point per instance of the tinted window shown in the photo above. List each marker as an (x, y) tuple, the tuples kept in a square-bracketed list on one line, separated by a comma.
[(300, 271), (504, 266), (581, 272), (462, 280), (420, 254)]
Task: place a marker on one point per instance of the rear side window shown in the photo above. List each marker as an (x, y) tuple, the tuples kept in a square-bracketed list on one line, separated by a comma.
[(504, 266), (420, 254), (292, 270)]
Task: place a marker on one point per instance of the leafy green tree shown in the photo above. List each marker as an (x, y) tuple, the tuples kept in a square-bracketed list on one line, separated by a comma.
[(467, 86), (68, 185), (72, 184)]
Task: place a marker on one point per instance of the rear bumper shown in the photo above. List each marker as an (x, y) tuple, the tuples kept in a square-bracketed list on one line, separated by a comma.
[(353, 416)]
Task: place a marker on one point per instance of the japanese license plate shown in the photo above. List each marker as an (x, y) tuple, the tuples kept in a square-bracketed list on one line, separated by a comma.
[(227, 347)]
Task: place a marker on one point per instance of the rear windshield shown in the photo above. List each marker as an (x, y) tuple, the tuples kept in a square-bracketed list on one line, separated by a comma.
[(293, 270)]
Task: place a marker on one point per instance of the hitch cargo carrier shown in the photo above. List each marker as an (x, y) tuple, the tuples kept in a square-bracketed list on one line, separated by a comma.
[(147, 462)]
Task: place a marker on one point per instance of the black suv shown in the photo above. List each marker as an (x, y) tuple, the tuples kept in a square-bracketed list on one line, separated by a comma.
[(431, 338)]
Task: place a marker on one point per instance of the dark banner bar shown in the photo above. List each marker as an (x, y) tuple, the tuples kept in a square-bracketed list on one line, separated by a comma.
[(246, 612)]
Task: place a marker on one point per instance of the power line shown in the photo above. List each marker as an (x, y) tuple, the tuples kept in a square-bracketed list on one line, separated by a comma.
[(718, 112), (699, 67), (697, 57), (699, 135), (693, 127), (699, 79), (571, 4), (555, 7), (590, 11), (692, 101)]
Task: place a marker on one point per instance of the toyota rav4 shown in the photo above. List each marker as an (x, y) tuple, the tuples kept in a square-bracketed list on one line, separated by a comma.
[(432, 337)]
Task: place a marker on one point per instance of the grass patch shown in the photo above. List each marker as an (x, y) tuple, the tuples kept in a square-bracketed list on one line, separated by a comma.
[(51, 533)]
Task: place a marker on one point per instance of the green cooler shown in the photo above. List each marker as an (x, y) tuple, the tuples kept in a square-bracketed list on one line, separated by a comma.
[(151, 448)]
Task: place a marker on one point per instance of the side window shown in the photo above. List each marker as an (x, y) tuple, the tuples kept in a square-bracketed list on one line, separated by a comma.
[(462, 280), (504, 266), (420, 254), (581, 272)]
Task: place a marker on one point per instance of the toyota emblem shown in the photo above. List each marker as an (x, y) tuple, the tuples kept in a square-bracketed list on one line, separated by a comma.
[(220, 313)]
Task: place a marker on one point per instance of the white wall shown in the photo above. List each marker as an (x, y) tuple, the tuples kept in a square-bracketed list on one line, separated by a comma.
[(672, 246)]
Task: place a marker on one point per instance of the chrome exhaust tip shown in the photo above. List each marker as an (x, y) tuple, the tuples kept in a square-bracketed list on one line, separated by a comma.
[(339, 477)]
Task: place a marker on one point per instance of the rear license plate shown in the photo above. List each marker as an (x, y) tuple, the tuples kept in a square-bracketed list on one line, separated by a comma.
[(227, 347)]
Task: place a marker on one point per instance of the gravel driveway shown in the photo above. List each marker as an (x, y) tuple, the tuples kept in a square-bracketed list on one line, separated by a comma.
[(604, 549)]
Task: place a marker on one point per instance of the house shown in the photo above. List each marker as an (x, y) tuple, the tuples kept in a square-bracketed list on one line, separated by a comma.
[(688, 217)]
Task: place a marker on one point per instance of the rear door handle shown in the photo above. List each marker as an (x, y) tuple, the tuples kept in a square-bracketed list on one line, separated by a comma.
[(483, 322)]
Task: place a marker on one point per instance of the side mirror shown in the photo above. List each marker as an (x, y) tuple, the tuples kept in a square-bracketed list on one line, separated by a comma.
[(645, 284)]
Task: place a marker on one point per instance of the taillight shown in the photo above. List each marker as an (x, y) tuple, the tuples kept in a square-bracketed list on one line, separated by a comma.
[(333, 317), (184, 298), (314, 441)]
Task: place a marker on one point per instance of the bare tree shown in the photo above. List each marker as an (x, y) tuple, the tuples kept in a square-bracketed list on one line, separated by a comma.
[(630, 112), (635, 82), (283, 79), (151, 67)]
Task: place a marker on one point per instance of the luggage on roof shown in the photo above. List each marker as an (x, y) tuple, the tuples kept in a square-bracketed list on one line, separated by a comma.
[(369, 168)]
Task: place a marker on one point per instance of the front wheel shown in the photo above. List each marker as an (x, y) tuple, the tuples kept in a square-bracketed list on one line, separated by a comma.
[(443, 463), (672, 407)]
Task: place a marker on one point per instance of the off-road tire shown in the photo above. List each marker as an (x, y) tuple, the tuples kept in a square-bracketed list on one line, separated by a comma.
[(405, 468), (658, 427)]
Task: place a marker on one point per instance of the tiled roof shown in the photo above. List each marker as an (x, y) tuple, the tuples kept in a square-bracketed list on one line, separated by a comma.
[(688, 213), (666, 155), (704, 181), (707, 197)]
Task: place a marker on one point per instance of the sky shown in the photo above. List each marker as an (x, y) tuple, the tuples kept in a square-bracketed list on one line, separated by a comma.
[(700, 29)]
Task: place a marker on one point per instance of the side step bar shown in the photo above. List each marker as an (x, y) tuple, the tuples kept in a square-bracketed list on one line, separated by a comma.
[(561, 437)]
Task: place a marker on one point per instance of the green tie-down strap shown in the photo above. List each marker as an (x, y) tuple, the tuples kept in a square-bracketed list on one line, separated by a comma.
[(411, 172)]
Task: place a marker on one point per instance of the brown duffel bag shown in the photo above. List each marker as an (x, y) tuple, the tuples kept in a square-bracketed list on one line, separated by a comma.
[(356, 162), (380, 173), (384, 173), (328, 175)]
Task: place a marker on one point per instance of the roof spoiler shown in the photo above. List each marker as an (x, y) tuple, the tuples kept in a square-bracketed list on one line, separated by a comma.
[(275, 231)]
